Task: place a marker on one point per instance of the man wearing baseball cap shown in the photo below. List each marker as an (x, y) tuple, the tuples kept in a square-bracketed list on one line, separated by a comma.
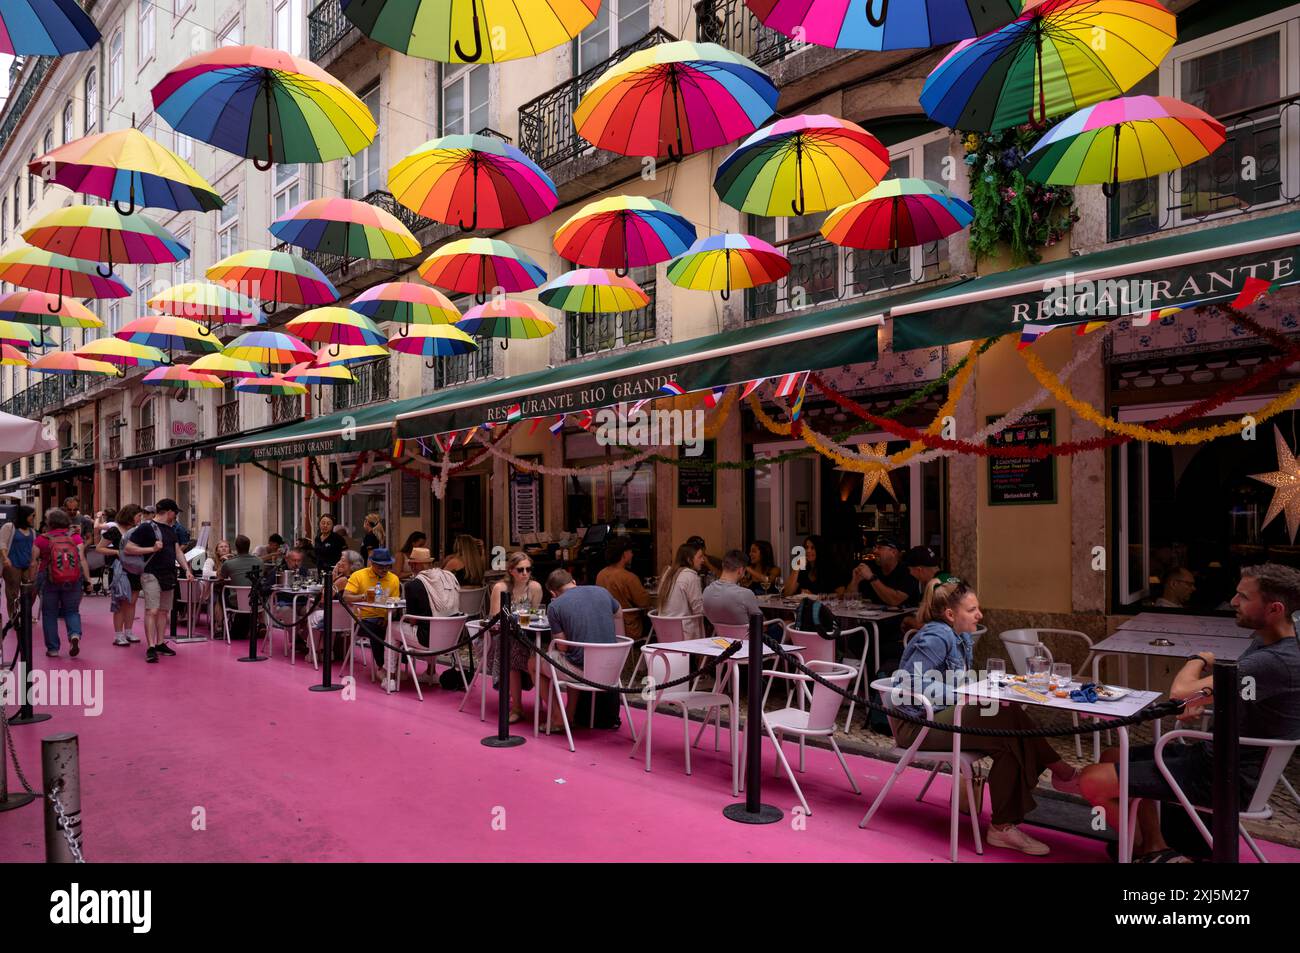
[(374, 621), (155, 539), (886, 582), (923, 563)]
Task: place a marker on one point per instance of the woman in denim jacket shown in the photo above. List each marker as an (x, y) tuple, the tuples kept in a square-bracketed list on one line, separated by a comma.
[(934, 663)]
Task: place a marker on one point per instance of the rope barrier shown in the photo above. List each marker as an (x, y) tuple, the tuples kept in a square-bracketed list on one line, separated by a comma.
[(412, 653)]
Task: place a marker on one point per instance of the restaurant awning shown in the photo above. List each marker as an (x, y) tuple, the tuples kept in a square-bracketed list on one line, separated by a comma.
[(1202, 266), (345, 431), (194, 450), (49, 476)]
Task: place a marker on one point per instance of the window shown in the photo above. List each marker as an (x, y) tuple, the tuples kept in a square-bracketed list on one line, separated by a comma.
[(288, 189), (366, 167), (116, 76), (67, 123), (114, 317), (464, 99), (146, 33), (230, 504), (4, 220), (185, 147), (31, 182), (183, 270), (18, 201), (47, 146), (618, 24), (585, 334), (231, 35), (143, 287), (90, 93), (287, 26), (228, 226)]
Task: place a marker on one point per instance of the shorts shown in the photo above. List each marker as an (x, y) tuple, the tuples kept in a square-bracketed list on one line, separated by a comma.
[(1192, 767), (156, 595), (134, 580)]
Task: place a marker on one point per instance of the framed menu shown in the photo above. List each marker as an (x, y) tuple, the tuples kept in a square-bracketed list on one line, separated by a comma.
[(410, 494), (1027, 480), (698, 485), (525, 504)]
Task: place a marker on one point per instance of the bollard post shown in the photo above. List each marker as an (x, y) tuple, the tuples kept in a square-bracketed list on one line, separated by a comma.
[(753, 810), (503, 738), (61, 778), (254, 607), (1227, 752), (9, 800), (327, 641), (25, 714)]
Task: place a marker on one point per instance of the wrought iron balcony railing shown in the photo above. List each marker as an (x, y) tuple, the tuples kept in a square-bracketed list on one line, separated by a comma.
[(589, 334), (145, 439), (546, 129), (228, 418), (372, 385), (326, 26), (35, 401), (115, 447), (731, 23), (20, 100), (285, 407), (463, 368)]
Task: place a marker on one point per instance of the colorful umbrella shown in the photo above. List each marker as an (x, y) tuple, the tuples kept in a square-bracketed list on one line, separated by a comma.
[(433, 340), (38, 307), (10, 356), (481, 178), (347, 227), (674, 99), (807, 163), (269, 347), (256, 102), (592, 291), (201, 301), (335, 325), (127, 166), (624, 232), (14, 334), (276, 385), (724, 262), (99, 233), (479, 266), (898, 213), (506, 318), (347, 354), (182, 378), (58, 275), (331, 375), (452, 31), (45, 28), (884, 25), (405, 302), (274, 276), (1119, 140), (1058, 56), (170, 334), (62, 362), (219, 365), (122, 353)]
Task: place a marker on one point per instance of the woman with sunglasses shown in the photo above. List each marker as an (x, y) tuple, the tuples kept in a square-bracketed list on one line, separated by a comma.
[(518, 588)]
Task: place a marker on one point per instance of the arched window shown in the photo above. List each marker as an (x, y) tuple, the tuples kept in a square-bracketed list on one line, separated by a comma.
[(144, 48), (48, 145), (31, 182), (90, 92), (67, 122), (115, 67)]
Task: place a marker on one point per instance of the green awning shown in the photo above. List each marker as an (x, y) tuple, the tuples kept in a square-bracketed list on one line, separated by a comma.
[(1207, 265), (813, 341), (345, 431)]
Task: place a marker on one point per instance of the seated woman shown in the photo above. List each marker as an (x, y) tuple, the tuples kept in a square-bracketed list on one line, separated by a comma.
[(949, 613), (466, 561), (403, 570), (817, 577), (762, 572), (680, 592), (518, 587)]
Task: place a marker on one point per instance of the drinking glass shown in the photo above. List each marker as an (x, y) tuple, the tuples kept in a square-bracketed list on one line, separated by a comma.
[(1038, 673), (997, 669), (1062, 674)]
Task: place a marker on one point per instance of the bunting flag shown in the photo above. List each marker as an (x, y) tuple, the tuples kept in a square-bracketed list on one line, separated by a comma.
[(787, 384), (398, 446), (558, 425), (673, 389), (639, 404), (751, 386), (514, 413), (797, 408), (714, 397), (1088, 327), (1159, 314), (469, 436), (585, 418), (532, 428), (1029, 333), (1253, 290)]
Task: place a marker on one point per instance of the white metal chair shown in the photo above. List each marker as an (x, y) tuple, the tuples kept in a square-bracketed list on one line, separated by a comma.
[(480, 669), (1024, 644), (817, 721), (967, 770), (444, 637), (664, 667), (602, 662), (663, 628), (241, 599), (1270, 774), (282, 617), (471, 601)]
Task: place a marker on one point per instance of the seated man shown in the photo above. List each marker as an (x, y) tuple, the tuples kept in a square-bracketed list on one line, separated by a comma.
[(282, 611), (887, 582), (274, 549), (578, 614), (429, 592), (730, 603), (241, 569), (1267, 595), (623, 585), (922, 564), (372, 620)]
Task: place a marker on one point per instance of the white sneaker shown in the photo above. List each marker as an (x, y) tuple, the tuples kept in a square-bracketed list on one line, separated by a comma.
[(131, 637), (1013, 838), (389, 685), (121, 639)]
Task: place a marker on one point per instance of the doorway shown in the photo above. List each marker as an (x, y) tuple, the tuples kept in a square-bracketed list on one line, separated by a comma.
[(464, 509)]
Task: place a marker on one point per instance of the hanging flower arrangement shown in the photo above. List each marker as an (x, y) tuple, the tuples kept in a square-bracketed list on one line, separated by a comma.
[(1010, 209)]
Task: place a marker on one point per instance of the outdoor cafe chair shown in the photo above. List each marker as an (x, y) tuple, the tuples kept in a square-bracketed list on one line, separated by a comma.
[(480, 675), (967, 770), (1024, 644), (282, 617), (471, 601), (602, 662), (236, 601), (816, 721), (817, 648), (1270, 773), (663, 667), (444, 639), (663, 628)]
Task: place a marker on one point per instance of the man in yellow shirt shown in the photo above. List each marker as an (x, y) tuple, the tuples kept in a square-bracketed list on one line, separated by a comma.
[(374, 621)]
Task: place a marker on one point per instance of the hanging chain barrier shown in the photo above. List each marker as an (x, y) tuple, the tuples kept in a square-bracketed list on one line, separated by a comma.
[(11, 753), (65, 824)]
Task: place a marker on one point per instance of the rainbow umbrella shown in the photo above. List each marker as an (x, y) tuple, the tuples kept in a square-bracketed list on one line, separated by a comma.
[(58, 275), (433, 340), (1056, 57), (62, 362), (170, 334), (269, 347), (122, 353), (884, 24), (724, 262), (181, 378), (1119, 140), (276, 385), (347, 227), (330, 375), (10, 356), (219, 365), (481, 178), (335, 325), (453, 31), (347, 354), (100, 233), (898, 213), (201, 301), (674, 99), (39, 307), (127, 166), (504, 319), (45, 28), (255, 102), (407, 302), (592, 290), (14, 334), (624, 232), (479, 266), (274, 276), (807, 163)]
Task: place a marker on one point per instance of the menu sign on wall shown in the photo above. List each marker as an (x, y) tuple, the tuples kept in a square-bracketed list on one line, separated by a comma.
[(1024, 480), (698, 485), (525, 505)]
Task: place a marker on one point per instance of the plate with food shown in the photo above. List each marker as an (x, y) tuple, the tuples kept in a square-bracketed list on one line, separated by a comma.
[(1110, 693)]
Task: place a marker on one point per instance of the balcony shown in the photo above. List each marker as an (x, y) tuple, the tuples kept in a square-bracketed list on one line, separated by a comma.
[(586, 334), (145, 439), (228, 418), (463, 368), (115, 447), (286, 408), (46, 395), (730, 23), (372, 385), (18, 102), (326, 28), (546, 129)]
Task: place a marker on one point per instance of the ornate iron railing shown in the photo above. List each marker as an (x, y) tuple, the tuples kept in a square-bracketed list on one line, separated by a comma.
[(115, 447), (20, 100), (285, 407), (34, 401), (463, 368), (144, 439), (228, 418), (546, 129), (589, 334), (732, 24), (326, 26), (372, 385)]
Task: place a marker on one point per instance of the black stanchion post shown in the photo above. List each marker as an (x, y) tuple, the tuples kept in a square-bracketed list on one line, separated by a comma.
[(503, 738), (254, 607), (1227, 732), (752, 810), (25, 714), (327, 641)]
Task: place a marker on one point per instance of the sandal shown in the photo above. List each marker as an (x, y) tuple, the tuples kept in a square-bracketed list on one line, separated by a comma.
[(1166, 856)]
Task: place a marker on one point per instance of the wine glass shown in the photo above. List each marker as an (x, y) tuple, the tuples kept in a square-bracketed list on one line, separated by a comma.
[(997, 669)]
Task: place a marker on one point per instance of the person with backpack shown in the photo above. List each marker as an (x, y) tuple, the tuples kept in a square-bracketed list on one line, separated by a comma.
[(124, 572), (155, 540), (61, 573), (17, 545)]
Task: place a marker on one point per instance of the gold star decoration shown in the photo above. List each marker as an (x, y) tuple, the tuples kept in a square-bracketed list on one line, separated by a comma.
[(877, 476), (1286, 486)]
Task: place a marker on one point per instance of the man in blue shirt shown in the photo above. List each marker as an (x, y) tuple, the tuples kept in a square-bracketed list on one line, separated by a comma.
[(578, 614)]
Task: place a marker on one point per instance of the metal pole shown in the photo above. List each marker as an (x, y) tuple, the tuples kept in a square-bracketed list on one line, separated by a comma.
[(327, 638), (753, 810), (254, 605), (25, 714), (8, 800), (1227, 731), (503, 738), (61, 777)]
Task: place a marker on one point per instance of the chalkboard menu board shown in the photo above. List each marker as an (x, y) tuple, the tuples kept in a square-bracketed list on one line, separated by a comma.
[(410, 494), (525, 504), (698, 485), (1021, 481)]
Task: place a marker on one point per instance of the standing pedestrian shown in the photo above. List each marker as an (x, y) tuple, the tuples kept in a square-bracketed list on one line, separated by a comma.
[(17, 539), (156, 541), (124, 597), (61, 573)]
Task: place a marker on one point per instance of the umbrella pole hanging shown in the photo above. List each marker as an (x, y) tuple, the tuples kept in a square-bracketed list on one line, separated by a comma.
[(57, 305), (877, 19), (1111, 189), (1038, 63), (798, 205), (477, 53), (480, 296), (473, 168), (623, 272), (893, 231), (726, 292), (257, 163), (131, 207), (677, 114)]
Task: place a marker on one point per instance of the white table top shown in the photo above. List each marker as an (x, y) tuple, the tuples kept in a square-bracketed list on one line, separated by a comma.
[(1130, 704), (1138, 642), (716, 646), (1187, 624), (387, 606)]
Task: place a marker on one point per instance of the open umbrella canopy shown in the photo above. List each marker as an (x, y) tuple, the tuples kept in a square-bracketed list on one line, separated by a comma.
[(10, 356), (344, 354), (624, 232), (122, 353), (728, 261), (219, 365), (58, 275), (274, 276), (898, 213), (335, 325), (481, 31), (62, 362), (265, 105), (433, 340), (884, 24), (38, 307), (1120, 140), (347, 227), (674, 99), (478, 266), (100, 233), (407, 302), (14, 334), (807, 163), (202, 301), (45, 28), (270, 347), (182, 377), (276, 385), (473, 182), (332, 375), (593, 290), (170, 334), (127, 166), (21, 437), (1056, 57), (506, 319)]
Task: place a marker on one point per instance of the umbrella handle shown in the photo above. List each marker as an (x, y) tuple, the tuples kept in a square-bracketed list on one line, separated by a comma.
[(130, 207), (504, 343), (431, 365), (877, 19), (335, 350), (56, 306), (270, 400), (726, 292), (480, 297), (269, 308), (320, 397), (99, 270), (1110, 189), (180, 396), (478, 40), (405, 330), (166, 360), (473, 223)]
